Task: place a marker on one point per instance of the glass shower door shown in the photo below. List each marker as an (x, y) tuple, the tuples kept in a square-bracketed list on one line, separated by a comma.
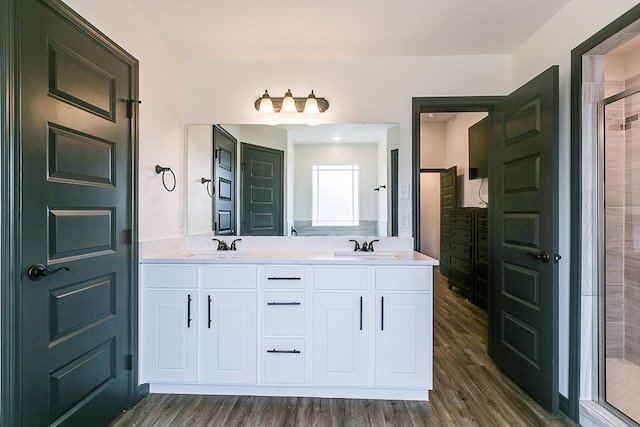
[(619, 200)]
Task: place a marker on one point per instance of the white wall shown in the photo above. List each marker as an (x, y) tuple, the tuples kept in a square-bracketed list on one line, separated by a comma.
[(199, 202), (162, 112), (433, 145), (552, 45), (358, 90)]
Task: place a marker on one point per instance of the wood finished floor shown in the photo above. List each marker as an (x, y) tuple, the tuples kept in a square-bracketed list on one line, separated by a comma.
[(468, 390)]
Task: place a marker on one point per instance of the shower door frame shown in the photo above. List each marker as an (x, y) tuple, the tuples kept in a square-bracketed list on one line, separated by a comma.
[(602, 247)]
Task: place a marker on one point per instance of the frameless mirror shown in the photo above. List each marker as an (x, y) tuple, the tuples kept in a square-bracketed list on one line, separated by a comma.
[(324, 180)]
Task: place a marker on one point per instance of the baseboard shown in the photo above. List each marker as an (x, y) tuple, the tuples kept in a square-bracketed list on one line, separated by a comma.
[(563, 405)]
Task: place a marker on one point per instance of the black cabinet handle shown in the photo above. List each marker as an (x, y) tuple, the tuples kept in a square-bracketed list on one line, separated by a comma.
[(283, 303), (188, 310), (382, 313), (294, 351), (209, 310), (360, 313), (283, 278)]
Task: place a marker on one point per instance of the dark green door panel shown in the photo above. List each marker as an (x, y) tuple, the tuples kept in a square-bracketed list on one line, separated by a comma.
[(262, 191), (77, 197), (523, 227)]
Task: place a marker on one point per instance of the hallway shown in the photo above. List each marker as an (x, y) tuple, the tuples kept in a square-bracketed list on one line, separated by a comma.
[(468, 390)]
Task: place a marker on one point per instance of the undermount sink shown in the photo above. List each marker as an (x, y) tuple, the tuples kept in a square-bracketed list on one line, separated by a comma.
[(366, 255), (217, 254)]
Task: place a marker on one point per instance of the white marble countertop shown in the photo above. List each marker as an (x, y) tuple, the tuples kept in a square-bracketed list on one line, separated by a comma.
[(279, 256)]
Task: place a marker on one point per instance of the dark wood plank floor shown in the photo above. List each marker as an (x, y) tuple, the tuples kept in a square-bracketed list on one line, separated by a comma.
[(468, 390)]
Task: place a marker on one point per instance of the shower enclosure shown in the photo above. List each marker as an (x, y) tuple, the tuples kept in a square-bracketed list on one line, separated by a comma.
[(619, 201)]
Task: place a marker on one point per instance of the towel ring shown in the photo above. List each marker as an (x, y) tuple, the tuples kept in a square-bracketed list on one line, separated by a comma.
[(162, 170), (213, 188)]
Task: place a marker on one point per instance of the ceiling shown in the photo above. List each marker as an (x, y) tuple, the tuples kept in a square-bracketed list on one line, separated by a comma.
[(287, 29)]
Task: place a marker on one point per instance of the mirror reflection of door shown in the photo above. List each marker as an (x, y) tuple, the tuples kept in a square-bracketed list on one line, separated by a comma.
[(224, 199), (262, 191)]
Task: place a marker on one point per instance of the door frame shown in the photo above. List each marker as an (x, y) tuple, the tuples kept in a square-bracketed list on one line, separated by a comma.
[(580, 219), (434, 104), (464, 104), (11, 199)]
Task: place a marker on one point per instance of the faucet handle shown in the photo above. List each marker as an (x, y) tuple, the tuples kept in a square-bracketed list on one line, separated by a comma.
[(371, 244), (356, 246), (233, 244), (365, 247)]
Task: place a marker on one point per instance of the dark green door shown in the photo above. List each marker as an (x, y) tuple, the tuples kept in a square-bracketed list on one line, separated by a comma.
[(224, 177), (77, 265), (524, 237), (262, 195)]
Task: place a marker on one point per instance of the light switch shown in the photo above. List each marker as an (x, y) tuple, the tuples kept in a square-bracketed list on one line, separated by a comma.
[(404, 191)]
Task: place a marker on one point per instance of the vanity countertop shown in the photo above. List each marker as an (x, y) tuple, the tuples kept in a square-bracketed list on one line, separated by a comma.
[(262, 256)]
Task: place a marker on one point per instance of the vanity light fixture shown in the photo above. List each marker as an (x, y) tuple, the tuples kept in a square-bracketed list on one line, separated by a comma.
[(289, 104)]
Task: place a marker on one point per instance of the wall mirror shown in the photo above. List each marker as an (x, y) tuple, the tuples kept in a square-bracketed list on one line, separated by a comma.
[(323, 180)]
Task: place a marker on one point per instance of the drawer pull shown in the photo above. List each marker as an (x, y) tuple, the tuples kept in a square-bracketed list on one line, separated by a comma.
[(294, 351), (283, 303), (188, 310), (284, 278)]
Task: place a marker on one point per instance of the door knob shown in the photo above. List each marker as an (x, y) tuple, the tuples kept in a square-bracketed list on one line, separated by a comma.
[(542, 256), (38, 271)]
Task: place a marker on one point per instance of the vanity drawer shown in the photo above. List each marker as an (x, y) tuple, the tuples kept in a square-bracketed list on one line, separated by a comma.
[(230, 277), (403, 278), (284, 360), (346, 278), (170, 276), (285, 277), (284, 313)]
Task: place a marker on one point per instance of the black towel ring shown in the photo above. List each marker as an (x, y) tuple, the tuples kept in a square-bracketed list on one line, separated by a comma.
[(162, 170), (213, 188)]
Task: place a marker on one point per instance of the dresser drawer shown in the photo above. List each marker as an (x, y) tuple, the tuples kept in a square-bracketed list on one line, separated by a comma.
[(461, 250), (483, 238), (462, 219), (170, 276), (284, 313), (461, 235), (285, 277), (462, 265), (482, 254), (284, 360)]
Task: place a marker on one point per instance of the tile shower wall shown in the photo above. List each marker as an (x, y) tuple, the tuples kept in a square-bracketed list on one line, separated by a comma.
[(632, 224)]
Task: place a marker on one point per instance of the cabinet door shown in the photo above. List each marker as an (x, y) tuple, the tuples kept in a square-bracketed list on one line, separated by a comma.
[(339, 339), (404, 335), (230, 338), (170, 336)]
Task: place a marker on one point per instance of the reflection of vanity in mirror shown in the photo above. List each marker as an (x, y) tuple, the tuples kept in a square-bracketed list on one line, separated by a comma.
[(324, 180)]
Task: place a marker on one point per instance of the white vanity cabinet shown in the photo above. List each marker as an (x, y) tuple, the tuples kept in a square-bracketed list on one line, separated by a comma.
[(169, 323), (230, 326), (359, 329)]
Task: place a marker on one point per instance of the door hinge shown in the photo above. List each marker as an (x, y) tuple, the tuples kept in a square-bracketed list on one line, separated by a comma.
[(130, 103), (128, 362), (128, 236)]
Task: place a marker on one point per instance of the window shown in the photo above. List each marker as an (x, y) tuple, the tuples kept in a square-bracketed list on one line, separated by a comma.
[(335, 195)]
